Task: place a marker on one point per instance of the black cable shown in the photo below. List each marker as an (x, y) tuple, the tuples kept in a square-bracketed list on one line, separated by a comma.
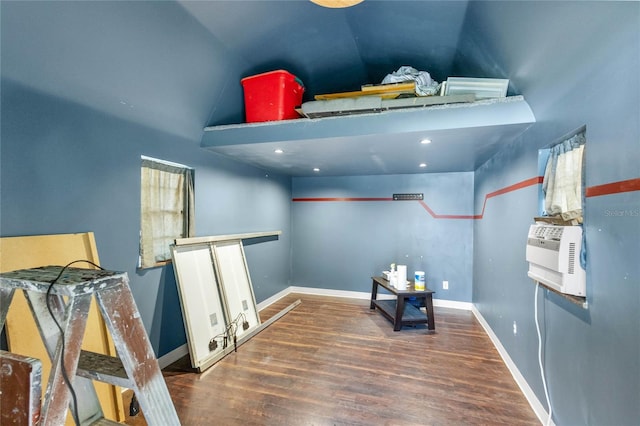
[(65, 376), (230, 333), (134, 406)]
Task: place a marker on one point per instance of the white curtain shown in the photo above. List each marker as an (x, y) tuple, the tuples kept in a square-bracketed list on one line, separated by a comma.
[(563, 181), (167, 210)]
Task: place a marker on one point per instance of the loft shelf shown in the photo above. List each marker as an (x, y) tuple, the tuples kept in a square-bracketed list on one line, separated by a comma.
[(379, 142), (500, 111)]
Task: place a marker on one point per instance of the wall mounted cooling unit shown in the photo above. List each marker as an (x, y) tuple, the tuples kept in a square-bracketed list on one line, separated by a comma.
[(553, 253)]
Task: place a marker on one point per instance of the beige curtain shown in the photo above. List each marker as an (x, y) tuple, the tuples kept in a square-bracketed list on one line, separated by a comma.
[(167, 209), (563, 178)]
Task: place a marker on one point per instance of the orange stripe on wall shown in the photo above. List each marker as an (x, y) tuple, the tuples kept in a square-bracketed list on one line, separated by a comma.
[(525, 183), (445, 216), (520, 185), (593, 191), (342, 199), (613, 188)]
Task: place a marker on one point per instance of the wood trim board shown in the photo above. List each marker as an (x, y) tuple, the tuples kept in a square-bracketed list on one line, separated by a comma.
[(245, 236)]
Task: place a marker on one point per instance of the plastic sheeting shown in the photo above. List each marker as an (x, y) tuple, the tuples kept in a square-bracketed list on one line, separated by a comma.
[(425, 85)]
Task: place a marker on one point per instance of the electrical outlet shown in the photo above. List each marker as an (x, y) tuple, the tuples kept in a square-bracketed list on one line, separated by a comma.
[(445, 285), (515, 328)]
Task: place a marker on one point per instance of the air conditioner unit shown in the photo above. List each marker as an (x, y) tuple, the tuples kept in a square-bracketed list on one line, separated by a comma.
[(553, 253)]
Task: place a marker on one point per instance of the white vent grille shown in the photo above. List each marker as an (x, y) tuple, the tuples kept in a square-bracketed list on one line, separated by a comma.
[(572, 257), (548, 232)]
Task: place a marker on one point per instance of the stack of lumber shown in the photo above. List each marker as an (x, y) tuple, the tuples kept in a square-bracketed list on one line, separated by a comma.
[(384, 91), (375, 98)]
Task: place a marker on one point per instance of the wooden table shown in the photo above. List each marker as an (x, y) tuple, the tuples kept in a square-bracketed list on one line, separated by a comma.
[(398, 311)]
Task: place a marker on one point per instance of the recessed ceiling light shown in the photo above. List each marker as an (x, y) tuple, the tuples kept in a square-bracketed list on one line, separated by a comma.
[(278, 151), (423, 165), (425, 141), (315, 169)]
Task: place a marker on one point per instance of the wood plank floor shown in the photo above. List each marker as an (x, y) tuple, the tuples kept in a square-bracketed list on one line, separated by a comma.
[(333, 361)]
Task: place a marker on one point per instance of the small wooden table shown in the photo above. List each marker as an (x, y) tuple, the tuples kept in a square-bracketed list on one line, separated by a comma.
[(398, 311)]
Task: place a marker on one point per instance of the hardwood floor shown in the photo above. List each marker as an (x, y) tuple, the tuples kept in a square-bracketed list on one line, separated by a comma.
[(333, 361)]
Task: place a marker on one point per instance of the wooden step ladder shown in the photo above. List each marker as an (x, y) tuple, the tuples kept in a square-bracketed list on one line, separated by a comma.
[(69, 298)]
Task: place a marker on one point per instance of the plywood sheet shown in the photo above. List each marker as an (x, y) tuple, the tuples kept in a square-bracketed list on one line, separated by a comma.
[(21, 385), (22, 333)]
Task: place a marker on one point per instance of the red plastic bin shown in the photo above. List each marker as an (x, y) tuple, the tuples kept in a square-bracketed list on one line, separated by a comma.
[(272, 96)]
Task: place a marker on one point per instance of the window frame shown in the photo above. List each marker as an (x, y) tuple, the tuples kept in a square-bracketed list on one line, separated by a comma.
[(544, 157), (177, 198)]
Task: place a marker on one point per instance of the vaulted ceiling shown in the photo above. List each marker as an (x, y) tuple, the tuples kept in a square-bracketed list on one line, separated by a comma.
[(337, 49), (176, 66)]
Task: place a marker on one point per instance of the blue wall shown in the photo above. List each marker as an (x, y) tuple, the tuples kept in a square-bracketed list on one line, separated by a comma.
[(149, 62), (341, 244), (66, 168), (88, 87), (85, 94), (578, 65)]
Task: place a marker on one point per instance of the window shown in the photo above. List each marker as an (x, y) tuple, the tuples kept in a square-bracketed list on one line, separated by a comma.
[(563, 179), (167, 209)]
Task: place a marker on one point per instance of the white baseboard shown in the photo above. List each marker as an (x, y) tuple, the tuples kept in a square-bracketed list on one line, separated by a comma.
[(534, 402), (453, 304), (334, 293), (273, 299), (171, 357), (467, 306)]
